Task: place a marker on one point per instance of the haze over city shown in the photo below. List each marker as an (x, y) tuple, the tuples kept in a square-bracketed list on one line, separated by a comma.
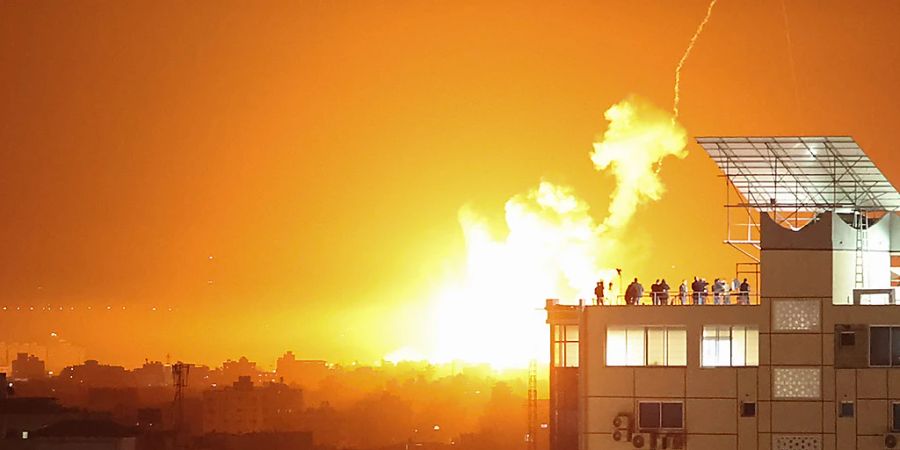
[(341, 208)]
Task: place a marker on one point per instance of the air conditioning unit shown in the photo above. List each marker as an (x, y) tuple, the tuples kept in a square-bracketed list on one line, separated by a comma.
[(621, 435), (673, 441), (890, 440), (623, 422), (623, 427), (638, 440)]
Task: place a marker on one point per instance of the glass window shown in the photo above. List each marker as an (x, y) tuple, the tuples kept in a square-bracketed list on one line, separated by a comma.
[(846, 409), (738, 346), (649, 415), (730, 346), (879, 346), (895, 346), (565, 345), (672, 415), (752, 346), (571, 333), (748, 409), (634, 346), (571, 354), (656, 346), (616, 348), (646, 346), (848, 338), (895, 416), (676, 339), (660, 415)]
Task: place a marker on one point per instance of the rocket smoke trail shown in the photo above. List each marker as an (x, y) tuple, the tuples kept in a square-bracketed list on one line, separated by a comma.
[(687, 53)]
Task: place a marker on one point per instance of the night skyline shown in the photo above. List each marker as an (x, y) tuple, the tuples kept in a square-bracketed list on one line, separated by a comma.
[(290, 176)]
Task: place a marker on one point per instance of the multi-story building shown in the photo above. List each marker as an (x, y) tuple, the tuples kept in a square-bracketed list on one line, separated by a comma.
[(245, 408), (810, 362), (307, 373), (28, 367)]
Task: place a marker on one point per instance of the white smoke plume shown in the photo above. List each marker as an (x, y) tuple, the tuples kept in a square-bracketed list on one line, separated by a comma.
[(638, 138), (553, 247)]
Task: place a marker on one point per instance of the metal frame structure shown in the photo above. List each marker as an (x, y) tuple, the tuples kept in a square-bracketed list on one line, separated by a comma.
[(794, 178), (787, 175)]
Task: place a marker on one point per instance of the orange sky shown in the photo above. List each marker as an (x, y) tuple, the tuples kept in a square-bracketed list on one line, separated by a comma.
[(320, 151)]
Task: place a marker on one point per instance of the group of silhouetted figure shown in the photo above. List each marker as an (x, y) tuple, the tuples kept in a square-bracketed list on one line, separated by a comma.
[(698, 293)]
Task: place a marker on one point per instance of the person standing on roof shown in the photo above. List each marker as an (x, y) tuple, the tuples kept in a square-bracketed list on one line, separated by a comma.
[(745, 292), (704, 291), (683, 292), (634, 293), (599, 292), (654, 293), (663, 292)]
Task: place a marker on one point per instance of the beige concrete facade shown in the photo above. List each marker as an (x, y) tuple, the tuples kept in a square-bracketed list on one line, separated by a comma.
[(813, 357)]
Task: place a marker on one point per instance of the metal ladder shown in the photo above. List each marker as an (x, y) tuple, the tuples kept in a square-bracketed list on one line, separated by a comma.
[(861, 223)]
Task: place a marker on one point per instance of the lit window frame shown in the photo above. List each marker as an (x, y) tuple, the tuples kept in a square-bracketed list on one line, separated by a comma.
[(645, 330), (564, 341), (731, 347)]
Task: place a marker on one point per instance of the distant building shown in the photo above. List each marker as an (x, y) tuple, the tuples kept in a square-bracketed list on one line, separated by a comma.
[(307, 373), (56, 354), (151, 374), (233, 370), (812, 364), (94, 374), (28, 367), (244, 408)]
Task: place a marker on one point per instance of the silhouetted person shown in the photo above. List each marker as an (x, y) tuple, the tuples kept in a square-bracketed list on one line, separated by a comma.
[(704, 290), (718, 289), (654, 292), (634, 292), (663, 292), (745, 292), (696, 287), (683, 292), (598, 292)]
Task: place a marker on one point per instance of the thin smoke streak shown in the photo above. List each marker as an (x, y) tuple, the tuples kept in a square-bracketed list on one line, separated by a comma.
[(684, 57), (790, 44)]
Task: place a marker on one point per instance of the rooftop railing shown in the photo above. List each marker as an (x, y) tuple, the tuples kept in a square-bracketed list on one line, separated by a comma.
[(691, 299)]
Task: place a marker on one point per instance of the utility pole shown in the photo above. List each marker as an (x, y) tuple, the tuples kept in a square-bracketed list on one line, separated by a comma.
[(531, 437)]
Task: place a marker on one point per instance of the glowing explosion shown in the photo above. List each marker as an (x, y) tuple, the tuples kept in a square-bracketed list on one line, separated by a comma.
[(553, 249)]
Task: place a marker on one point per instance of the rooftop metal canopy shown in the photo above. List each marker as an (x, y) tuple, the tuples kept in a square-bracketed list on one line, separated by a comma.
[(802, 174)]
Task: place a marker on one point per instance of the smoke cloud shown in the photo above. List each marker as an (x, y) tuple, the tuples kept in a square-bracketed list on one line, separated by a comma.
[(553, 247), (638, 138)]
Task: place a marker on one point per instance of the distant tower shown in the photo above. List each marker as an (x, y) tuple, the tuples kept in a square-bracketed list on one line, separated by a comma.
[(531, 438), (180, 373)]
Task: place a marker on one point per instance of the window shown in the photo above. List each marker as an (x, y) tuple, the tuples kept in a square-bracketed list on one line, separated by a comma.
[(848, 338), (884, 346), (660, 415), (646, 346), (845, 409), (565, 345), (730, 346), (895, 416), (748, 409)]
